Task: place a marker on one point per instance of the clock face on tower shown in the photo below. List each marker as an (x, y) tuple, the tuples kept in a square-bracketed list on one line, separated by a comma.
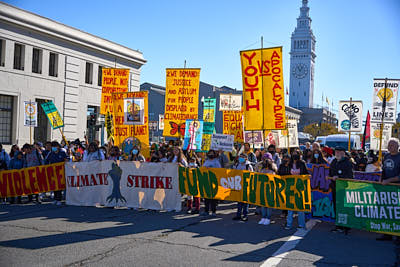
[(300, 70)]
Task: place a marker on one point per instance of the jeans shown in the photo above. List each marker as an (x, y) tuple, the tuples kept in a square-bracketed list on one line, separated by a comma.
[(266, 213), (242, 207), (301, 219)]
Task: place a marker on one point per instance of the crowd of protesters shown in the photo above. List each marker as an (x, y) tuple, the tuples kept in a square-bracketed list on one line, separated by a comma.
[(271, 160)]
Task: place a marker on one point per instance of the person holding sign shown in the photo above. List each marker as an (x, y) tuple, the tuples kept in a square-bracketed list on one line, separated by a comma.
[(211, 162)]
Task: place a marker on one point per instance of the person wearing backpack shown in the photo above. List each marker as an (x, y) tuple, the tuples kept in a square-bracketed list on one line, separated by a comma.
[(242, 208), (32, 157)]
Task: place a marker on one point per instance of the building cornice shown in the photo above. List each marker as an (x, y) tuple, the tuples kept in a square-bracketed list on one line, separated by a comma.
[(50, 27)]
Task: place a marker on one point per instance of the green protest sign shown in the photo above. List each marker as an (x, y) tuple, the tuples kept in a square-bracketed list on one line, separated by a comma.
[(368, 206), (53, 115)]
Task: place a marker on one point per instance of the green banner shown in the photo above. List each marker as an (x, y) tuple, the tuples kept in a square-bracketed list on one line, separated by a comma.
[(53, 115), (368, 206)]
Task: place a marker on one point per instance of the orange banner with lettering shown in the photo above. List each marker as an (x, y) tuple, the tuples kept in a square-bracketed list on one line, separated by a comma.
[(181, 100), (113, 81), (32, 180), (263, 91), (128, 136)]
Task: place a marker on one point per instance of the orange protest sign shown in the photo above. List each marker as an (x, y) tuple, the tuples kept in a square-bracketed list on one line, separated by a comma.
[(32, 180), (233, 124), (181, 100), (127, 135), (263, 91), (113, 81)]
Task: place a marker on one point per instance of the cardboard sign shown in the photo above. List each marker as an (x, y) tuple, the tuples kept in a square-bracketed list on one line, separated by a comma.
[(253, 137), (263, 91), (30, 114), (222, 141), (293, 135), (375, 135), (181, 100), (113, 81), (392, 90), (350, 116), (53, 115), (230, 102)]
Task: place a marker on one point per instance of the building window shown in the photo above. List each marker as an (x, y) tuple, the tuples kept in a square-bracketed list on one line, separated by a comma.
[(2, 52), (19, 54), (89, 73), (6, 107), (37, 61), (100, 76), (53, 64)]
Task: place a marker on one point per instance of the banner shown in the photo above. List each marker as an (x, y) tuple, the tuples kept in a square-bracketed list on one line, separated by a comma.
[(161, 121), (209, 106), (274, 191), (350, 116), (193, 135), (368, 206), (375, 135), (391, 100), (30, 114), (230, 102), (263, 91), (253, 137), (181, 100), (127, 136), (32, 180), (368, 176), (53, 115), (127, 184), (321, 193), (233, 124), (293, 135), (113, 81), (222, 142), (134, 111)]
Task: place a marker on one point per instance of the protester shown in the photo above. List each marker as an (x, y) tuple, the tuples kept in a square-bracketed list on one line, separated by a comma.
[(115, 153), (275, 156), (17, 162), (4, 158), (193, 203), (211, 162), (223, 159), (56, 155), (268, 167), (93, 153), (373, 163), (298, 167), (32, 158), (178, 157), (250, 154), (318, 157), (14, 148), (242, 208)]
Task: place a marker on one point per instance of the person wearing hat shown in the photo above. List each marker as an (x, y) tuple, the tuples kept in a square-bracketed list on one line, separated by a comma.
[(340, 167), (242, 208)]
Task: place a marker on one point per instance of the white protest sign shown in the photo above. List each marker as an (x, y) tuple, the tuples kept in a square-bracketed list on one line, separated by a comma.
[(392, 88), (230, 102), (350, 116), (222, 141), (30, 114), (375, 134)]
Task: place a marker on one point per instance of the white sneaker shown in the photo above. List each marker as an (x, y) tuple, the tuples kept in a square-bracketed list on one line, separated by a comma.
[(261, 221), (267, 221)]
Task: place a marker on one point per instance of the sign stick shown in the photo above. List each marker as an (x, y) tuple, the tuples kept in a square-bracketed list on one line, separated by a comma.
[(287, 131), (30, 124), (349, 144), (381, 127)]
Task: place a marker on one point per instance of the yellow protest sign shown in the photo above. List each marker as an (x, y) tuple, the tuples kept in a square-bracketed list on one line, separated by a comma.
[(233, 124), (127, 136), (113, 81), (181, 100), (263, 91), (282, 192)]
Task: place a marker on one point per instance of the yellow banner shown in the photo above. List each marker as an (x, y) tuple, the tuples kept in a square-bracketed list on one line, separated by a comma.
[(263, 91), (113, 81), (281, 192), (126, 136), (181, 100), (233, 124), (33, 180)]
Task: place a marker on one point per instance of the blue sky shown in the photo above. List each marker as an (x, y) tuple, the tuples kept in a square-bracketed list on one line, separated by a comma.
[(357, 40)]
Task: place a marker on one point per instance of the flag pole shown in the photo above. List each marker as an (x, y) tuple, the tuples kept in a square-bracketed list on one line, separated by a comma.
[(382, 121), (349, 144)]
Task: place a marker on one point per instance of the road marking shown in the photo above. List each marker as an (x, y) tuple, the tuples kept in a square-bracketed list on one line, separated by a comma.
[(292, 242)]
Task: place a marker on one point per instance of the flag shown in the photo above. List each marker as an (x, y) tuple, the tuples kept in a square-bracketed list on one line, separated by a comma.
[(367, 131), (327, 101)]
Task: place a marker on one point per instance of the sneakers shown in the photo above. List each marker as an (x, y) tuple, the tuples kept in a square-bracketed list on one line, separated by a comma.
[(245, 219), (267, 221), (301, 228), (261, 221)]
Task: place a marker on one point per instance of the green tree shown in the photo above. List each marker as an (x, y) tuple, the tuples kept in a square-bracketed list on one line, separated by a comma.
[(323, 129)]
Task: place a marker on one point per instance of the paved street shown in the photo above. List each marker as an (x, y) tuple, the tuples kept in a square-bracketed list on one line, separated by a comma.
[(49, 235)]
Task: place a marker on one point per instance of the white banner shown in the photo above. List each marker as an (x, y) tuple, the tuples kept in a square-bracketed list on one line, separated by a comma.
[(391, 100), (350, 116), (230, 102), (129, 184), (222, 141), (375, 133), (30, 113)]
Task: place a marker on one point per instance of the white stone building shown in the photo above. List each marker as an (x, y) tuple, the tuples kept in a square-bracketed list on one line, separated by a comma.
[(41, 59)]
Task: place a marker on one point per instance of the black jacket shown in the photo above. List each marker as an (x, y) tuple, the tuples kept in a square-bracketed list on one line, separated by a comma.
[(341, 169)]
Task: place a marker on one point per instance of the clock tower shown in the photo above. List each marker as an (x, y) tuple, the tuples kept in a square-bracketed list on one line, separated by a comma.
[(302, 59)]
